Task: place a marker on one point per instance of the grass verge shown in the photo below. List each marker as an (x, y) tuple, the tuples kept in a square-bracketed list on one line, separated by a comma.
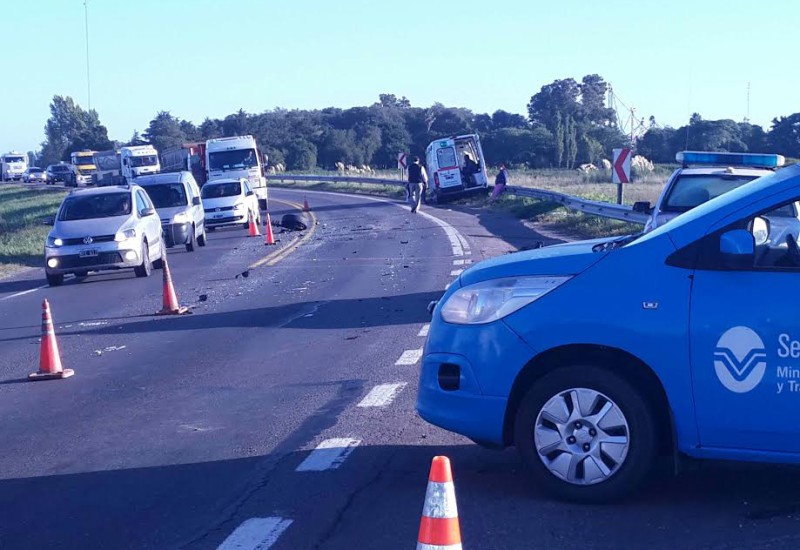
[(551, 215), (22, 233)]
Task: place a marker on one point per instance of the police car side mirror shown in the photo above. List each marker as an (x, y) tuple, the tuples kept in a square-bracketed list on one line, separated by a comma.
[(642, 207), (760, 230), (737, 248), (196, 201)]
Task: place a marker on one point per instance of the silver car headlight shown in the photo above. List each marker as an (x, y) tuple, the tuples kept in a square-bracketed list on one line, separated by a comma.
[(238, 206), (54, 242), (492, 300)]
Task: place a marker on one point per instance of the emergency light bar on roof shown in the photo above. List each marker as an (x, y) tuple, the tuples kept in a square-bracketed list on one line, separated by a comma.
[(730, 159)]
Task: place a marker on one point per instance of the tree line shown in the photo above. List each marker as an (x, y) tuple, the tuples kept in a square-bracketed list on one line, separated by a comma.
[(568, 123)]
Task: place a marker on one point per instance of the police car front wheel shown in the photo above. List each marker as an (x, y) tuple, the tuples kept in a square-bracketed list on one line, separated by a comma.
[(586, 434)]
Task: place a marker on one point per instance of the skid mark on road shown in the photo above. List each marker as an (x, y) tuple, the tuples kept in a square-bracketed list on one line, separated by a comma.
[(409, 357), (256, 534), (329, 455), (382, 395)]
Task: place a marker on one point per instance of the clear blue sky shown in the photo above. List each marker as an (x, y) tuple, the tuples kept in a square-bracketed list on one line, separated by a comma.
[(200, 58)]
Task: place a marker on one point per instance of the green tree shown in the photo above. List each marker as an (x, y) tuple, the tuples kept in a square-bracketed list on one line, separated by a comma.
[(70, 128), (165, 131), (560, 98), (301, 155), (784, 136), (210, 129), (571, 142), (559, 142)]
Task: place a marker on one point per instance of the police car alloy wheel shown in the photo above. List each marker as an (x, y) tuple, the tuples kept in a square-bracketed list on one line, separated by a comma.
[(586, 434)]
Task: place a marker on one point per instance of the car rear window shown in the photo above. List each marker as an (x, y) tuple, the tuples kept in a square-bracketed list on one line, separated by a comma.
[(166, 195)]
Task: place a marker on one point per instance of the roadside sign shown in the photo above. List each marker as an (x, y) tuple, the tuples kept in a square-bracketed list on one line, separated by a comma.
[(402, 161), (621, 166)]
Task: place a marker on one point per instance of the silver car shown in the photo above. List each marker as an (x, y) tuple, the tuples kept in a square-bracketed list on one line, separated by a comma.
[(103, 229)]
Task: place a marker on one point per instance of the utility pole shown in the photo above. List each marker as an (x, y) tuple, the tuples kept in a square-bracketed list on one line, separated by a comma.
[(747, 117), (88, 77)]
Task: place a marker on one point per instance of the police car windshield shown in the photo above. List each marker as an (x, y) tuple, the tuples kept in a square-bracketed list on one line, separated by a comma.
[(690, 191), (89, 207)]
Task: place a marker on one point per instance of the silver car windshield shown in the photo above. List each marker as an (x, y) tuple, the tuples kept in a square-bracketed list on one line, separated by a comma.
[(90, 207), (690, 191)]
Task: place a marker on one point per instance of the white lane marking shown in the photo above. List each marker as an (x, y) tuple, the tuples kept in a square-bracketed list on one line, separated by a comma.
[(23, 293), (382, 395), (424, 330), (462, 262), (447, 286), (409, 357), (329, 455), (256, 534), (458, 243), (456, 272)]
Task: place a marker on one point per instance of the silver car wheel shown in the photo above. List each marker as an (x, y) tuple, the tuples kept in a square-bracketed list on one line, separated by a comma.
[(581, 436)]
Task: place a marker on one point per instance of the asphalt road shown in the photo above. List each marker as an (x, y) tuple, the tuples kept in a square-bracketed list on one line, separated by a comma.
[(199, 431)]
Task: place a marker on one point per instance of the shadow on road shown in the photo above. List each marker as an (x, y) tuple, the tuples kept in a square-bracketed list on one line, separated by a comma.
[(377, 496)]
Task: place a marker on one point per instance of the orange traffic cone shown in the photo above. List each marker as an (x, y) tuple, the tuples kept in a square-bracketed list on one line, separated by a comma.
[(49, 358), (268, 232), (252, 227), (439, 526), (171, 306), (306, 208)]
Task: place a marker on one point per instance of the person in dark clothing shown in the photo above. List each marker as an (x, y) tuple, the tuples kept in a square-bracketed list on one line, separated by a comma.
[(469, 170), (417, 179)]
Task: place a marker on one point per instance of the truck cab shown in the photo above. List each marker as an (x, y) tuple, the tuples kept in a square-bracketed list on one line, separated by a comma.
[(13, 166), (237, 157), (83, 163), (139, 160), (456, 165)]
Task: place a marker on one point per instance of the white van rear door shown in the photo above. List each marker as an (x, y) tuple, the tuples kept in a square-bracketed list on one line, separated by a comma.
[(447, 167)]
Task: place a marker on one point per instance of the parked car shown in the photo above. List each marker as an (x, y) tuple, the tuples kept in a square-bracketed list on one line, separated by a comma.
[(703, 176), (34, 174), (594, 357), (177, 200), (61, 172), (101, 229), (229, 202)]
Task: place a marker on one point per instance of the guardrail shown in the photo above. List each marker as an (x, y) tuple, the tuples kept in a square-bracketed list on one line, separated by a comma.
[(596, 208)]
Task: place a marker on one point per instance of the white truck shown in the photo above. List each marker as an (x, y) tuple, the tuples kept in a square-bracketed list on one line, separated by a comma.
[(13, 166), (238, 157), (115, 167)]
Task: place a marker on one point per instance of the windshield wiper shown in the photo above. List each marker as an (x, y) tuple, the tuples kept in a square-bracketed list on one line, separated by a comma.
[(616, 243)]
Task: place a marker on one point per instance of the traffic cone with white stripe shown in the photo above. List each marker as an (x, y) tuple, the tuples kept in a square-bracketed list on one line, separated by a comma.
[(268, 231), (252, 226), (306, 208), (439, 529), (170, 303), (49, 358)]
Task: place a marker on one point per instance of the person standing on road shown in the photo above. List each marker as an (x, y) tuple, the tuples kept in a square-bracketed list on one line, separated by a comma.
[(500, 182), (417, 180)]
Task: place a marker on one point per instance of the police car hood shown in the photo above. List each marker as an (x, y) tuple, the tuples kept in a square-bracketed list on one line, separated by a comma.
[(561, 259)]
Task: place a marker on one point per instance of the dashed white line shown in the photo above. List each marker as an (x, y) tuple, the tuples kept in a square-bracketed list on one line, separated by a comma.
[(329, 455), (23, 293), (382, 395), (424, 330), (256, 534), (409, 357), (456, 272), (462, 262)]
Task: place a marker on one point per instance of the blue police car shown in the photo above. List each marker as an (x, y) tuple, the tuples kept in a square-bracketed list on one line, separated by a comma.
[(594, 357)]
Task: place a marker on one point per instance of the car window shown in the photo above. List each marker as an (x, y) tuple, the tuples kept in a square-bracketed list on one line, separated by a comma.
[(219, 190), (141, 203), (95, 206), (167, 195), (689, 191)]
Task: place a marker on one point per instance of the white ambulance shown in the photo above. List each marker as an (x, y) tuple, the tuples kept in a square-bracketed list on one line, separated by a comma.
[(456, 165)]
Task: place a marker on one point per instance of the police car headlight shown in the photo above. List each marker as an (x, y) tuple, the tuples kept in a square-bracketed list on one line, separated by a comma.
[(492, 300)]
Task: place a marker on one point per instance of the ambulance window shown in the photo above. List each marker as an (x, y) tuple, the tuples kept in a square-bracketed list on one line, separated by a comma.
[(446, 158)]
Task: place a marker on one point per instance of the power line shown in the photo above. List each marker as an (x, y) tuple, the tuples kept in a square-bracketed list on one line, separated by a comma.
[(88, 77)]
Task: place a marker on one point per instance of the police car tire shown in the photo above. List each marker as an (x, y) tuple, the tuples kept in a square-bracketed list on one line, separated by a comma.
[(642, 429)]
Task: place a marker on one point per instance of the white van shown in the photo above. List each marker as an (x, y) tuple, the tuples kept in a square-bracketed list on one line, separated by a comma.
[(448, 170), (176, 197), (13, 166), (237, 157)]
